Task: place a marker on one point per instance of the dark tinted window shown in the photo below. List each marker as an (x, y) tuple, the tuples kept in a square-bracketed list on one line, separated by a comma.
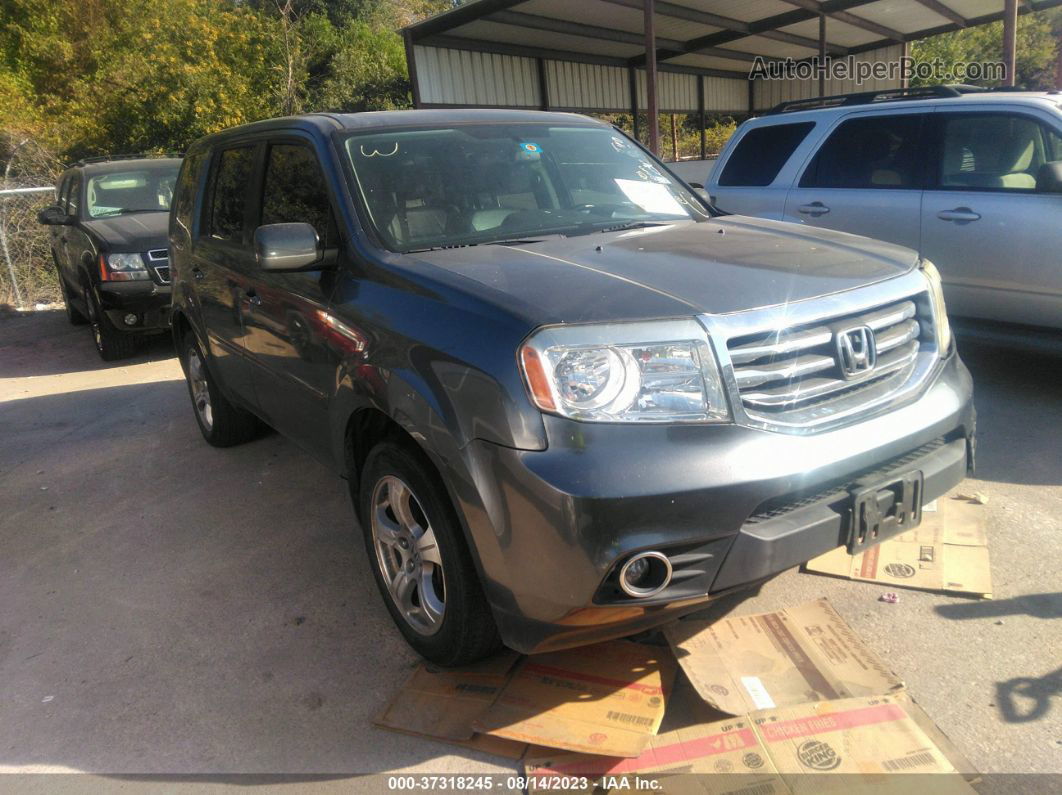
[(993, 151), (760, 155), (62, 191), (874, 152), (295, 191), (229, 199), (184, 197), (73, 199)]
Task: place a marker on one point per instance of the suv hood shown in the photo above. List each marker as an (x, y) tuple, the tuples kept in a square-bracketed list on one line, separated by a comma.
[(135, 232), (727, 264)]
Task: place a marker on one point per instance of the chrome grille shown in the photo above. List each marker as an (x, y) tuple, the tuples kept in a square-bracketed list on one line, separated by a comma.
[(799, 368), (159, 260)]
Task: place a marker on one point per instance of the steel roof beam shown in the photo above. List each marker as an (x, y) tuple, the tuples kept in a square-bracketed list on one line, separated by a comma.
[(768, 24), (848, 19), (462, 15), (951, 27), (717, 21)]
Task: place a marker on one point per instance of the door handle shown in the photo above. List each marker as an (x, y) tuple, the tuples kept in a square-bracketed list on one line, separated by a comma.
[(960, 214), (198, 275), (252, 297), (815, 209)]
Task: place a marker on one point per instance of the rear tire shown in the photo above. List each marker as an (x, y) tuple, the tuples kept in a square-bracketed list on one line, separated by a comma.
[(419, 558), (222, 423), (111, 344)]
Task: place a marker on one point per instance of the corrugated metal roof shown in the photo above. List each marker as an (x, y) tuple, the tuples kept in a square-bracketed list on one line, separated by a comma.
[(584, 53), (604, 28)]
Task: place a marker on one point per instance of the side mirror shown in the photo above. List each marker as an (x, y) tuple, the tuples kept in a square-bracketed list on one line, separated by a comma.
[(287, 247), (54, 215), (1049, 178)]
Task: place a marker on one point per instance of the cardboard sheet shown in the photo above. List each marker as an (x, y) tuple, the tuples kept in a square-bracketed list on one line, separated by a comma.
[(443, 704), (947, 552), (606, 699), (729, 747), (794, 656), (868, 736)]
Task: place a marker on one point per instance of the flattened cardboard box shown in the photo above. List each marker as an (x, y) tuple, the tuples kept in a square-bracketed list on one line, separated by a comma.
[(947, 552), (793, 656), (603, 699), (728, 747), (442, 704), (866, 737)]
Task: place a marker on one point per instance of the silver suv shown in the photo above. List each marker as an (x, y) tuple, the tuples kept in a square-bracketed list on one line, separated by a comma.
[(971, 179)]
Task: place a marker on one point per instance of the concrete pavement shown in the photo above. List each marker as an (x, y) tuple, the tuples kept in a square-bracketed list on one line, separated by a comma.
[(166, 607)]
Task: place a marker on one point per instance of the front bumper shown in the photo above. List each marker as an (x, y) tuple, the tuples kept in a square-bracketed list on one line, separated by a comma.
[(146, 299), (729, 505)]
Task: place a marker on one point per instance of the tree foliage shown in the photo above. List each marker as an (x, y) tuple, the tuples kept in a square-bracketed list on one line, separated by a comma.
[(105, 76), (1038, 44)]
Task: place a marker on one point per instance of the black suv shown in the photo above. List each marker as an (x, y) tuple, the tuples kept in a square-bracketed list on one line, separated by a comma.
[(571, 400), (110, 249)]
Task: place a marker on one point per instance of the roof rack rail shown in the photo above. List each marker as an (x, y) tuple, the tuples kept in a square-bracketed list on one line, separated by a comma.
[(88, 161), (871, 97)]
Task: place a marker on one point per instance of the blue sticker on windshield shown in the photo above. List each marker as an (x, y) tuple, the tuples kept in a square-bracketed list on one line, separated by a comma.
[(528, 151)]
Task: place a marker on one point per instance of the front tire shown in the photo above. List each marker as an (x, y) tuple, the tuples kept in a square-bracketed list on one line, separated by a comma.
[(111, 344), (420, 560), (222, 423)]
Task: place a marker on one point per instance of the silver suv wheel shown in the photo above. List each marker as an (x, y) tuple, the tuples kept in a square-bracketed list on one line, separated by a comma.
[(407, 555)]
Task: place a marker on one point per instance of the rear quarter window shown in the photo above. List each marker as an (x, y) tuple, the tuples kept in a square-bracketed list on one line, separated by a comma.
[(185, 194), (761, 153)]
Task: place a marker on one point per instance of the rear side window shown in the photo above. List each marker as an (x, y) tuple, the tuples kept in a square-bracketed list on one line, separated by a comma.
[(871, 152), (184, 197), (228, 201), (295, 191), (762, 152)]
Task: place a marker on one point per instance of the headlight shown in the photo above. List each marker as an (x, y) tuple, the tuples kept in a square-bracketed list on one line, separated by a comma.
[(660, 371), (122, 267), (941, 326)]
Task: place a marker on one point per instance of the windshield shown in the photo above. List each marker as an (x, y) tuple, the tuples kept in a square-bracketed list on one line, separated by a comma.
[(120, 192), (491, 183)]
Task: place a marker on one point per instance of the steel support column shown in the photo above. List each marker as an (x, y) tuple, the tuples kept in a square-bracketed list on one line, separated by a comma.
[(411, 65), (702, 118), (651, 105), (822, 55), (1010, 36), (632, 87)]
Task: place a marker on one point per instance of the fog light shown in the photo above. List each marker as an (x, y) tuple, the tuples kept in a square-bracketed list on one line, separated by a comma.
[(131, 319), (645, 574)]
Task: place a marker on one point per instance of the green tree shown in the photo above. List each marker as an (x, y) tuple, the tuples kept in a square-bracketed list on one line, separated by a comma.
[(1037, 50)]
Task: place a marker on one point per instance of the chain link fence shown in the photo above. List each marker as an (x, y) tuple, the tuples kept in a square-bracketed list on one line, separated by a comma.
[(28, 171)]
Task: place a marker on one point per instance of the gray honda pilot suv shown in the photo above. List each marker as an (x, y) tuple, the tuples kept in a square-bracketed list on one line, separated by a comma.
[(572, 401)]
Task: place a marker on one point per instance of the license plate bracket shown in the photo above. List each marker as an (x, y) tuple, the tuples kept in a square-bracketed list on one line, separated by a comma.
[(885, 509)]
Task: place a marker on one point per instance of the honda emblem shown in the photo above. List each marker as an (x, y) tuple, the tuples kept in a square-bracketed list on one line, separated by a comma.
[(857, 352)]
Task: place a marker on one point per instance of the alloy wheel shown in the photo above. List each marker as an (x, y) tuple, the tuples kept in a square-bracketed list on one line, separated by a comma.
[(94, 319), (408, 555), (197, 380)]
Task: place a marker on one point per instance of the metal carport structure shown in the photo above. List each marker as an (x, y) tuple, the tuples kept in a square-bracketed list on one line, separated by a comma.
[(675, 56)]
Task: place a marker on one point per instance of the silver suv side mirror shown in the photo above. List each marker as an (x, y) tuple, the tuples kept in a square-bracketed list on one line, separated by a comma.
[(287, 247)]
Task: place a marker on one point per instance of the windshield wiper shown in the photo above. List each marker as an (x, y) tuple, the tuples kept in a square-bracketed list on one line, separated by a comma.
[(444, 247), (631, 225)]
